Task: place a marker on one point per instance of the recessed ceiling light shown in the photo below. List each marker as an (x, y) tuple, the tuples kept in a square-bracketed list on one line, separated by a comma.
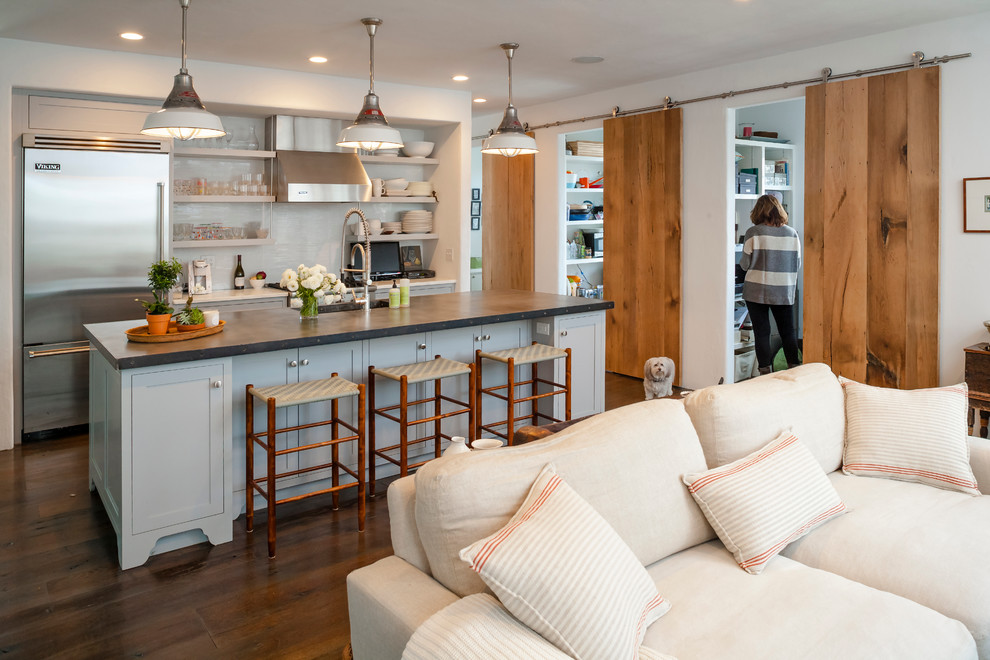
[(133, 36), (587, 59), (480, 100), (459, 78), (317, 59)]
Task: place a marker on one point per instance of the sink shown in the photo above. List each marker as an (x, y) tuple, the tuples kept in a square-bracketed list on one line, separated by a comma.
[(351, 306)]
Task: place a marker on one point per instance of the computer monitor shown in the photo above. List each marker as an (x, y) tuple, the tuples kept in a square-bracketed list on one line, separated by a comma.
[(385, 262)]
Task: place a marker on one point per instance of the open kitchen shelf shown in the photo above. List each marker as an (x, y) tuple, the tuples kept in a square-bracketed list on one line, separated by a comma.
[(593, 260), (398, 160), (586, 159), (234, 242), (223, 199), (401, 200), (232, 154), (584, 190), (394, 237)]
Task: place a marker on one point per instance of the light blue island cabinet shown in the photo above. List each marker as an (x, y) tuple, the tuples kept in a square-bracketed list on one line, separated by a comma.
[(167, 420)]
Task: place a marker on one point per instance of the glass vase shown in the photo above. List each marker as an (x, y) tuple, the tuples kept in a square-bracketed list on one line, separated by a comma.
[(310, 308)]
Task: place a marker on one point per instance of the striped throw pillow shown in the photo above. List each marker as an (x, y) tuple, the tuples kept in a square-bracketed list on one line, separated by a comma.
[(909, 435), (761, 502), (561, 569)]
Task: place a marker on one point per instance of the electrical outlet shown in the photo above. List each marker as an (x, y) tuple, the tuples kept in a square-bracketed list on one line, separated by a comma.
[(449, 253), (542, 328)]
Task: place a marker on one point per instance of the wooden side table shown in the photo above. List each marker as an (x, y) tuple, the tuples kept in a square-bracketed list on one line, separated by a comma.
[(978, 379)]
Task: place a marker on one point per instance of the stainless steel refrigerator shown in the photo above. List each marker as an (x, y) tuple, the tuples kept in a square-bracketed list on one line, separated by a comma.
[(95, 218)]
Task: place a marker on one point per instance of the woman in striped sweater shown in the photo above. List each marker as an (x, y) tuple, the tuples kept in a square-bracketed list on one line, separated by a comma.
[(771, 258)]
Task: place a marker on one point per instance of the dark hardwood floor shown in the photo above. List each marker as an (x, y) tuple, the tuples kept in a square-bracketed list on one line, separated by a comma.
[(64, 595)]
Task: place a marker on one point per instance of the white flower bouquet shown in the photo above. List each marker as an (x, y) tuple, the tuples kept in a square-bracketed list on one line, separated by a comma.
[(312, 285)]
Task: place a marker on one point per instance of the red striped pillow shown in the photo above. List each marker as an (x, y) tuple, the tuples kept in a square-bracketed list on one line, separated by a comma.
[(561, 569), (764, 501), (909, 435)]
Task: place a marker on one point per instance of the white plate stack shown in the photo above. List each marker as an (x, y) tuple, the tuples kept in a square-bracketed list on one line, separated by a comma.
[(420, 188), (394, 227), (417, 222)]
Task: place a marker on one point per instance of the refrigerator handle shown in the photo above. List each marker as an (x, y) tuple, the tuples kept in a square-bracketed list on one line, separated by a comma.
[(58, 351), (162, 224)]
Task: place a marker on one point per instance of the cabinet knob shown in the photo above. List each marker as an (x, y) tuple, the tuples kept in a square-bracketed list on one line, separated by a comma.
[(487, 337), (305, 362), (293, 363), (217, 384), (563, 333), (422, 347), (479, 338)]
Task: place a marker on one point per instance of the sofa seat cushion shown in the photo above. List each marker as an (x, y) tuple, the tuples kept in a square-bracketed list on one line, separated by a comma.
[(923, 543), (735, 420), (790, 611), (626, 463)]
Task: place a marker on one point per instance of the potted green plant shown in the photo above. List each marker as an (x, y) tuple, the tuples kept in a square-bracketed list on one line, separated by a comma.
[(162, 276), (190, 318)]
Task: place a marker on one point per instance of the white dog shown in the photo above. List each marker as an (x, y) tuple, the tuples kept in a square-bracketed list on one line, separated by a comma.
[(658, 377)]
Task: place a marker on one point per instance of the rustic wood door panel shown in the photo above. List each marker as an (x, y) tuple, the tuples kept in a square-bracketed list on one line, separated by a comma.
[(871, 228), (507, 222), (642, 269)]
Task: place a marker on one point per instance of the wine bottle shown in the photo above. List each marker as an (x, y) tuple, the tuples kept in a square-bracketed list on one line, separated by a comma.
[(239, 274)]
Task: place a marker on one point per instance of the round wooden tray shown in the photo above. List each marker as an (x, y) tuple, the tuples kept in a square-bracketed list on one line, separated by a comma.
[(140, 334)]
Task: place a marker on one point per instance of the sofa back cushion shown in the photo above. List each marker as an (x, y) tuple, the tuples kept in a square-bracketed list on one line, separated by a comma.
[(626, 463), (733, 421)]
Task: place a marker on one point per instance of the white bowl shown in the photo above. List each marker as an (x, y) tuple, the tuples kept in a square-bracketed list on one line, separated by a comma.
[(396, 184), (417, 149), (486, 443), (257, 284)]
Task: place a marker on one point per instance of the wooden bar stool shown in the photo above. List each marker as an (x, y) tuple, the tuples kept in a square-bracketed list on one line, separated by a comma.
[(410, 374), (516, 357), (296, 394)]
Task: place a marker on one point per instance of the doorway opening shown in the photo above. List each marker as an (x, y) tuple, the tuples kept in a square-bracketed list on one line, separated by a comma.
[(767, 156)]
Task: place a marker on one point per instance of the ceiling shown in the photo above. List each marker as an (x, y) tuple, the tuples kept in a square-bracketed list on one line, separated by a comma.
[(428, 41)]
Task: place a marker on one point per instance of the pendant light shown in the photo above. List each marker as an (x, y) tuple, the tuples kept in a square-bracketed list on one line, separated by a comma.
[(510, 138), (182, 115), (370, 131)]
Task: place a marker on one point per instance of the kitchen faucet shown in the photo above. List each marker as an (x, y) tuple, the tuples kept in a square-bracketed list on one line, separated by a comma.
[(365, 258)]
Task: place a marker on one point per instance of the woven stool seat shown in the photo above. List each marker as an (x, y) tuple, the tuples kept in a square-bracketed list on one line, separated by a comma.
[(421, 372), (311, 391), (526, 354)]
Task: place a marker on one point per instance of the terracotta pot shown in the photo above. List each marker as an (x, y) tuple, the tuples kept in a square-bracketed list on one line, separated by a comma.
[(158, 323), (190, 328)]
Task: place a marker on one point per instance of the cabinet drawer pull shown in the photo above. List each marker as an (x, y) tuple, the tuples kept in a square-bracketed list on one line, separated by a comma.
[(487, 337), (217, 384), (479, 338), (563, 333), (305, 362), (293, 363), (422, 347)]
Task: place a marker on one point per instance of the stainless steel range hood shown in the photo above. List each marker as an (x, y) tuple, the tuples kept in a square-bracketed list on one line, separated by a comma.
[(313, 176), (308, 165)]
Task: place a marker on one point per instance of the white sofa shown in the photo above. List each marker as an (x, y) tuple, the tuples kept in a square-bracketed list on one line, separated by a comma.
[(904, 574)]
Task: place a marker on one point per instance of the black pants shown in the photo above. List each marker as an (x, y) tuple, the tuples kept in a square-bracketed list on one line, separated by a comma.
[(759, 316)]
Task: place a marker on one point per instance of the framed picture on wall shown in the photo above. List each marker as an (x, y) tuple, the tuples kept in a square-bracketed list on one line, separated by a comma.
[(475, 194), (475, 223), (412, 257), (976, 204), (476, 208)]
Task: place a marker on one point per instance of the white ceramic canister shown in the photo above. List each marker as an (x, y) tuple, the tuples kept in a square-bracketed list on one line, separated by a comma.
[(456, 446)]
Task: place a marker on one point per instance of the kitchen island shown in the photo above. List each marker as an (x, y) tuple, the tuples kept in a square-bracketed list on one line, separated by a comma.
[(167, 420)]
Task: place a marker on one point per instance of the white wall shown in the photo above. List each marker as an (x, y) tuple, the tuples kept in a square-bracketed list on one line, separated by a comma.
[(965, 142), (77, 70)]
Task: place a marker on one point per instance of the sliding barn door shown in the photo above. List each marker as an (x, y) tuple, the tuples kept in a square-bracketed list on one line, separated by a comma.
[(872, 228), (642, 269), (507, 222)]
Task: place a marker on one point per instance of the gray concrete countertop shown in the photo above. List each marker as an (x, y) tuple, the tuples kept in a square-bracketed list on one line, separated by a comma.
[(272, 330)]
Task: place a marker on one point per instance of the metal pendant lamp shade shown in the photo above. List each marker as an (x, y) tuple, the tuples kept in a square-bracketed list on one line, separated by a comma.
[(510, 138), (370, 131), (183, 116)]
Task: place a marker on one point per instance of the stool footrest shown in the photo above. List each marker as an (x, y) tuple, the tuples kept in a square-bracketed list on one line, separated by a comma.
[(315, 445)]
